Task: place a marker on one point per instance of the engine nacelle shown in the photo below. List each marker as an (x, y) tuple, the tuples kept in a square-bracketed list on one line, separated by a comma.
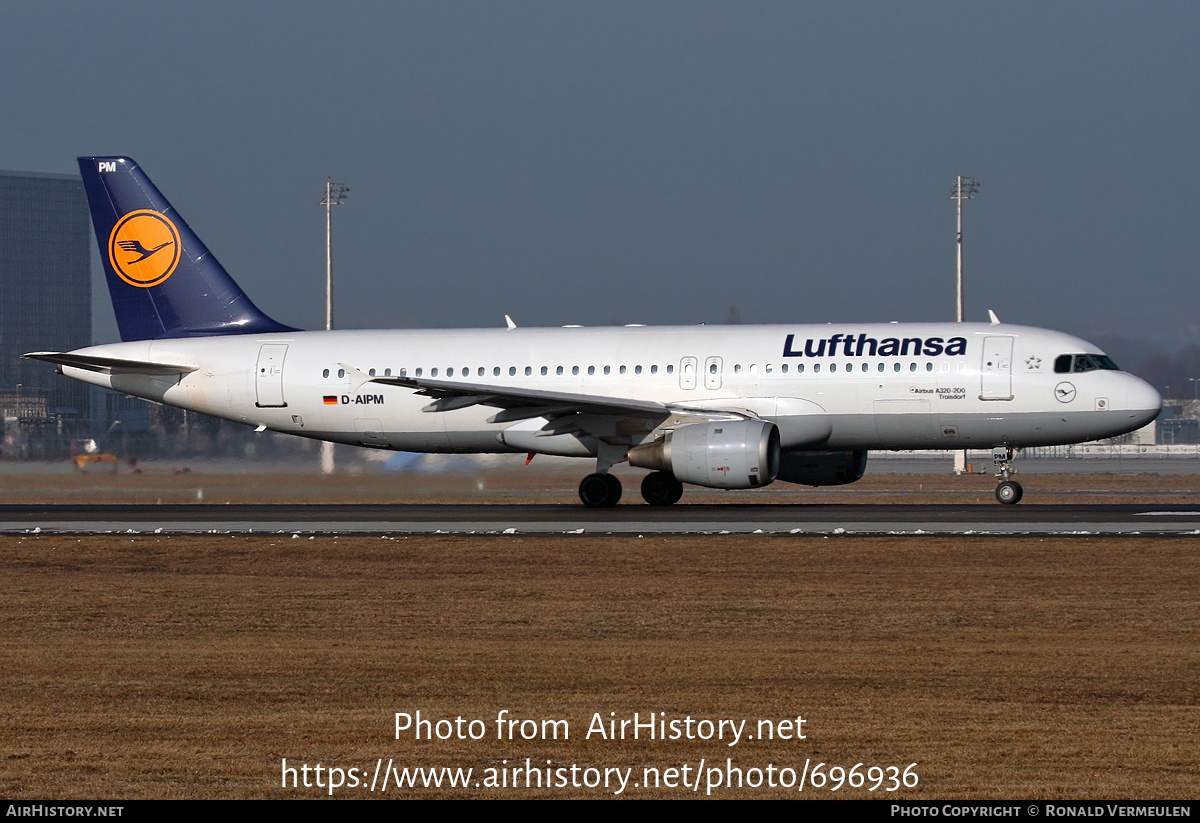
[(734, 454), (822, 468)]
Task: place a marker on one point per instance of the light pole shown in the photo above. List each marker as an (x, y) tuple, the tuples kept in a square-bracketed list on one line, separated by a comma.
[(964, 189), (335, 195)]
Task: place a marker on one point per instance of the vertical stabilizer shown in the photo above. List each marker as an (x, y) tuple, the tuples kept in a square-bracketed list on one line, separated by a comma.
[(164, 282)]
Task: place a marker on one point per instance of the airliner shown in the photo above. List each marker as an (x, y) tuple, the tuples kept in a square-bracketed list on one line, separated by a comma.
[(725, 407)]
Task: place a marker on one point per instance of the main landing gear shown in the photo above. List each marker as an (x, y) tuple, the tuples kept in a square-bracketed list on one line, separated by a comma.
[(661, 489), (1008, 491), (601, 490)]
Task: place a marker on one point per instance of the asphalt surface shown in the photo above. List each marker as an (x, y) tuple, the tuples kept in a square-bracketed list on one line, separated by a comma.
[(767, 518)]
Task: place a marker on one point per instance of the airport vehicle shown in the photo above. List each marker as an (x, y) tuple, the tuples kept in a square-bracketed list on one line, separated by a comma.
[(728, 407)]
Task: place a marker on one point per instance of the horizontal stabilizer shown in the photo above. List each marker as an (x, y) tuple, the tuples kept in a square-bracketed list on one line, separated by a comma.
[(109, 365)]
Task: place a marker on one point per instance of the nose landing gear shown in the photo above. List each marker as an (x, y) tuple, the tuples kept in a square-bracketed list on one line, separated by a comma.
[(1008, 491)]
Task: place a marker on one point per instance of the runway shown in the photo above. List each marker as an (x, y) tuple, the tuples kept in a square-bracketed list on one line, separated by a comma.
[(696, 519)]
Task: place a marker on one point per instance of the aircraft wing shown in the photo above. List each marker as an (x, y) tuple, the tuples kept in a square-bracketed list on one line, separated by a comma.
[(109, 365), (521, 403)]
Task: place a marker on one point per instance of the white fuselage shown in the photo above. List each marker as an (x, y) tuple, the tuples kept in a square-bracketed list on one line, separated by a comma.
[(836, 386)]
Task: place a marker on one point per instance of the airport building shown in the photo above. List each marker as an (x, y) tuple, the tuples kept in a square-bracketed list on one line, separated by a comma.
[(45, 268)]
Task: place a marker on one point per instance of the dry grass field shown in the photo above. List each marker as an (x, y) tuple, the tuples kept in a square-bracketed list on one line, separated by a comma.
[(190, 667)]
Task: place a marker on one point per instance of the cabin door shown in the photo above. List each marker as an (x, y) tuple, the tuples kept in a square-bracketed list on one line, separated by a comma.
[(996, 369), (268, 376)]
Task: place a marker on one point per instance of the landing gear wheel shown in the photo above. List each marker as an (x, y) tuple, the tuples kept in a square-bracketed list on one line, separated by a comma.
[(614, 489), (661, 489), (1009, 492), (598, 491)]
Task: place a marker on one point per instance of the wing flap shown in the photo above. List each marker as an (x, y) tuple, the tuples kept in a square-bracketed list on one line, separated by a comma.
[(462, 395)]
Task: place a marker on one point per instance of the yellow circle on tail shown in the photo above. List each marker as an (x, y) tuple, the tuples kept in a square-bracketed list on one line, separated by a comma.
[(144, 248)]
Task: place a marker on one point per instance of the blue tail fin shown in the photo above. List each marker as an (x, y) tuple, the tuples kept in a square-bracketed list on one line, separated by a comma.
[(163, 281)]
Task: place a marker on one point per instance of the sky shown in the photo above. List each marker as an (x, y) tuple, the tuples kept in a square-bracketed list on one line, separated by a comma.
[(646, 162)]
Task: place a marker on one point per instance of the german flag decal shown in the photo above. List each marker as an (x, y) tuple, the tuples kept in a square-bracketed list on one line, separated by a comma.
[(331, 400)]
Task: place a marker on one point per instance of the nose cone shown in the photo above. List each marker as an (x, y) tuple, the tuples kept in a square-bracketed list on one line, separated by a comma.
[(1142, 402)]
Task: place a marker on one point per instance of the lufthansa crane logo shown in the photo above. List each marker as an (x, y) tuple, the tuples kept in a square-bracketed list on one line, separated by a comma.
[(144, 248)]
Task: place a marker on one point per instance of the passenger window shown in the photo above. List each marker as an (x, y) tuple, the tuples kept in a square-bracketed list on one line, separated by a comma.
[(341, 372), (545, 371), (574, 370), (449, 372), (637, 369), (325, 373), (591, 369), (558, 370), (528, 371)]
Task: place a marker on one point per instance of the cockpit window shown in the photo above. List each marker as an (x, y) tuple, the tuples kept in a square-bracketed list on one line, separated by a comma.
[(1078, 363)]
